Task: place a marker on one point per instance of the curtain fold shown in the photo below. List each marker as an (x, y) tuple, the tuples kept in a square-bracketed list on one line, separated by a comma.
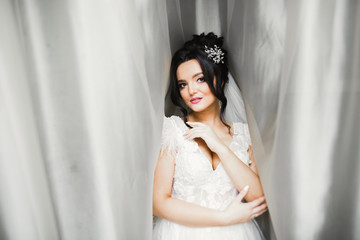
[(81, 113), (81, 103), (297, 67)]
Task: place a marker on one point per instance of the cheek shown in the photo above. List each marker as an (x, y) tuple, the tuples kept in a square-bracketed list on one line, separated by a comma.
[(183, 95), (209, 94), (205, 89)]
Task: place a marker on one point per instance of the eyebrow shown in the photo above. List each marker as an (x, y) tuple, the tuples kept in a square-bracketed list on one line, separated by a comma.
[(196, 74)]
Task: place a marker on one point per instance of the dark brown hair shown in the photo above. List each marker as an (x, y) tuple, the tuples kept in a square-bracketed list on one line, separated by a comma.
[(195, 49)]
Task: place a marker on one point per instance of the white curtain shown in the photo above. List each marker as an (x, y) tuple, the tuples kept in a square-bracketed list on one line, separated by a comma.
[(81, 110), (82, 85), (297, 63)]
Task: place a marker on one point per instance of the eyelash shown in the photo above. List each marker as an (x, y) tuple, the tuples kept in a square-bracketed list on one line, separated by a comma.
[(182, 85)]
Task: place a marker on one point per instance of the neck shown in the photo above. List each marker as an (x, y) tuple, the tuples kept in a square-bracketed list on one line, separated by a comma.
[(210, 116)]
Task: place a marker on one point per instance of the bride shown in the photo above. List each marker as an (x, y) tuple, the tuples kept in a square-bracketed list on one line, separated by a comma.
[(205, 168)]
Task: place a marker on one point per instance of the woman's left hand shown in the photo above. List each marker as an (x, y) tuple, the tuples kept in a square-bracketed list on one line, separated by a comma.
[(203, 131)]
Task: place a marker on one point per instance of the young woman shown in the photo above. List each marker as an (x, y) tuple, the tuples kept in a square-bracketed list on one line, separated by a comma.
[(205, 167)]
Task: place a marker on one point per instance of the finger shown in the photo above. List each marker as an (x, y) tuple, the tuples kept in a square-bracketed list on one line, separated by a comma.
[(258, 214), (192, 130), (260, 208), (243, 193), (193, 134), (196, 124), (262, 212), (257, 201), (189, 132)]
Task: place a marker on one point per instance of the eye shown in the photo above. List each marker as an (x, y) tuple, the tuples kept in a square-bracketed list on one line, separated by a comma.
[(182, 85), (202, 79)]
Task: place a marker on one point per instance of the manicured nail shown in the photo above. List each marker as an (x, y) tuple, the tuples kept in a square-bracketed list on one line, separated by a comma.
[(246, 187)]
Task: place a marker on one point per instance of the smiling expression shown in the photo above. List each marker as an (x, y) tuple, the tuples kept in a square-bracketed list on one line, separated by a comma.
[(194, 90)]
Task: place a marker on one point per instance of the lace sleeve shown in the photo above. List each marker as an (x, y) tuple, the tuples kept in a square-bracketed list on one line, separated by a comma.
[(247, 140), (247, 133), (168, 138)]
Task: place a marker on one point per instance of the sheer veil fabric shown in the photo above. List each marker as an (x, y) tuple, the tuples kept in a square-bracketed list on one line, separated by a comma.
[(81, 107), (235, 108)]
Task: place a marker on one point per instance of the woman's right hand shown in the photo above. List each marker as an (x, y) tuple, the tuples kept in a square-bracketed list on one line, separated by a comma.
[(240, 212)]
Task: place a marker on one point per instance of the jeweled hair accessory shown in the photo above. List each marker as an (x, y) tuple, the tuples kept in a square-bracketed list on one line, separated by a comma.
[(215, 54)]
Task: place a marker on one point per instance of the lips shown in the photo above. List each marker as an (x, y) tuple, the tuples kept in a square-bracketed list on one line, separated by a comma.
[(195, 100)]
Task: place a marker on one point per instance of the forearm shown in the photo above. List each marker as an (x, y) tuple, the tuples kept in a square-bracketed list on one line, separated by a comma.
[(240, 174), (186, 213)]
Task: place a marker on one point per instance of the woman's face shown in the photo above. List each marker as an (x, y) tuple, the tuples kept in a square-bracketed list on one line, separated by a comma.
[(194, 90)]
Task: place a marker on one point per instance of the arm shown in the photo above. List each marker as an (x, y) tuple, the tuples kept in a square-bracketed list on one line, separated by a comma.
[(194, 215), (177, 210), (252, 165), (240, 174)]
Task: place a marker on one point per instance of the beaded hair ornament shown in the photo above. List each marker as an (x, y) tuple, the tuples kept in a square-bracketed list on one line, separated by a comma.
[(215, 54)]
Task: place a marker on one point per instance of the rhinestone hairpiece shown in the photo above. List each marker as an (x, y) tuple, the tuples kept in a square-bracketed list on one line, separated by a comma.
[(215, 54)]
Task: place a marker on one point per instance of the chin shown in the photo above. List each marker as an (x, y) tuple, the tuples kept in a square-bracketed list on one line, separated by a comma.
[(198, 108)]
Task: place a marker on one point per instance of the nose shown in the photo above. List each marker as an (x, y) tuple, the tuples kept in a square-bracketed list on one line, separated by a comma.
[(193, 88)]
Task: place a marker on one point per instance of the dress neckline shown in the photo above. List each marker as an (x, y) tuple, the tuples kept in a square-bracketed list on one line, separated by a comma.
[(235, 132)]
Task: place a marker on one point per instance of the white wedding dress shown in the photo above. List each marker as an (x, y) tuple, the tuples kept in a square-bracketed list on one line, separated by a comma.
[(195, 181)]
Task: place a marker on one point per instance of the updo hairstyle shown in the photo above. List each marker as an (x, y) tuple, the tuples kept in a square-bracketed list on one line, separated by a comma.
[(195, 49)]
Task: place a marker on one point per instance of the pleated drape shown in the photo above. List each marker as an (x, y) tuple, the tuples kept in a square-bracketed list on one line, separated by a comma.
[(297, 65), (82, 88), (81, 111)]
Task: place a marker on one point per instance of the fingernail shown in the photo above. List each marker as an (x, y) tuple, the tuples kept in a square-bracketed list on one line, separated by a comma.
[(246, 187)]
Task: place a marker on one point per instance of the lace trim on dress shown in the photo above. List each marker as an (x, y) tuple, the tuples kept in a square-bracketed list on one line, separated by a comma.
[(172, 138), (242, 142), (168, 137)]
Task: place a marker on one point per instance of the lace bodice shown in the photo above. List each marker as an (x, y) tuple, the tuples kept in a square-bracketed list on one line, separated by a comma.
[(194, 178)]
